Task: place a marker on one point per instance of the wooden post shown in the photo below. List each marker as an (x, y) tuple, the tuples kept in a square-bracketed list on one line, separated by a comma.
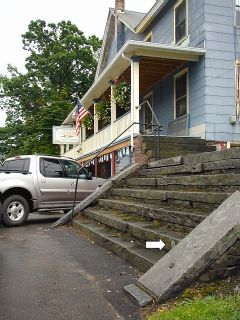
[(61, 149), (113, 164), (95, 167), (134, 96), (113, 111)]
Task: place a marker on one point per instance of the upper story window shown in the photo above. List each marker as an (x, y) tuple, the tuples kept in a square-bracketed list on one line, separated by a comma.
[(180, 20), (181, 94), (237, 13)]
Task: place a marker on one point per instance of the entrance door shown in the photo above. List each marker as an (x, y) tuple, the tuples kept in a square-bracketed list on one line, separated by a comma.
[(146, 115)]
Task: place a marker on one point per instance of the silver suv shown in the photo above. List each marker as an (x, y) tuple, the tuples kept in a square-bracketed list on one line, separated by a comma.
[(41, 183)]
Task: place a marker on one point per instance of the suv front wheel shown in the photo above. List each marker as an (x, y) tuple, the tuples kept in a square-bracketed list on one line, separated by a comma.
[(15, 211)]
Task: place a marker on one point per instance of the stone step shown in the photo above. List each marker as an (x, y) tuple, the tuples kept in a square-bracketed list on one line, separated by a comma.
[(178, 146), (170, 140), (217, 182), (186, 199), (202, 158), (119, 243), (182, 220), (135, 226), (173, 152), (175, 168)]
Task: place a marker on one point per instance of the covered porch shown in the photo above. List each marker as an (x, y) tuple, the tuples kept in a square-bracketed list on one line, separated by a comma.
[(142, 66)]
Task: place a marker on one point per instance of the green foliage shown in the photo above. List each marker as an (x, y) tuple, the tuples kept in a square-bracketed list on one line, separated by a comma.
[(103, 110), (88, 122), (61, 64), (210, 308), (122, 94)]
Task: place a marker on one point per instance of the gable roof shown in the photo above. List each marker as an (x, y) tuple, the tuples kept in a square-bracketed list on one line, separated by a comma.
[(131, 19), (135, 21)]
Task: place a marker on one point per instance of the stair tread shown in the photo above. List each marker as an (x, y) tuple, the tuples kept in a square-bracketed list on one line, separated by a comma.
[(234, 176), (165, 195), (148, 226), (157, 207), (174, 191), (124, 240)]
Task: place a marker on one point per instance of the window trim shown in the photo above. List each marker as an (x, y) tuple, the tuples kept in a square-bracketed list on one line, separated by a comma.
[(176, 76), (237, 100), (235, 13), (174, 22)]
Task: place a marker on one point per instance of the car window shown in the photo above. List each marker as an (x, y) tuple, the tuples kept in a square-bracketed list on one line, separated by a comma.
[(16, 165), (71, 169), (51, 168)]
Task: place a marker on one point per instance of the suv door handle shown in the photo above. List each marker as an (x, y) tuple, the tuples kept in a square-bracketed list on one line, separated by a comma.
[(43, 180)]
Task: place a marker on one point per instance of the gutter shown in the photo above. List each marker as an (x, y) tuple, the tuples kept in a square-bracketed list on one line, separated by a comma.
[(151, 15)]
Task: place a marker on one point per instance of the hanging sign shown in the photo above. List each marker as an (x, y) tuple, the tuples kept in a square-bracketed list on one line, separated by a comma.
[(65, 135)]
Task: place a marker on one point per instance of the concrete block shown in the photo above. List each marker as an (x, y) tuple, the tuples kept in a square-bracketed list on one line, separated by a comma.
[(175, 161), (195, 253), (138, 295)]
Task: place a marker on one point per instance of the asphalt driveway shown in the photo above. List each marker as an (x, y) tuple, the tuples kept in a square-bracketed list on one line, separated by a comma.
[(58, 274)]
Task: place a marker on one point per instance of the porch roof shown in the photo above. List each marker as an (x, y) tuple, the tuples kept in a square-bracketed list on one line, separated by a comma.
[(169, 56)]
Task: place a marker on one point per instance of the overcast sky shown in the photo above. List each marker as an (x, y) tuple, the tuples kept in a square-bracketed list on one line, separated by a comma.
[(89, 15)]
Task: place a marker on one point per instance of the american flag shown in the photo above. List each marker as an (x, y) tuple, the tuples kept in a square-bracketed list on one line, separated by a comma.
[(80, 114)]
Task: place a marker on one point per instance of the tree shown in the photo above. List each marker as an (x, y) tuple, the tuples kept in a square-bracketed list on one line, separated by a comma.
[(61, 64)]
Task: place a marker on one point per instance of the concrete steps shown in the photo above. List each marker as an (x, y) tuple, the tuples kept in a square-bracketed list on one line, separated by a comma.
[(217, 182), (165, 200), (174, 198), (120, 243), (180, 219), (135, 226)]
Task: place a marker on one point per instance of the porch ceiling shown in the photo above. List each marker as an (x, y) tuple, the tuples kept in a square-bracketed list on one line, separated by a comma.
[(153, 70)]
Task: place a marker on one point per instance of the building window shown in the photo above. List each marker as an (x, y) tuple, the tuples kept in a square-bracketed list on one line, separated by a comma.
[(237, 13), (181, 94), (180, 21)]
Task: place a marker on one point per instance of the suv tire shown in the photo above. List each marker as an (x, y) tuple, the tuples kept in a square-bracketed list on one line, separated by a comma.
[(15, 211)]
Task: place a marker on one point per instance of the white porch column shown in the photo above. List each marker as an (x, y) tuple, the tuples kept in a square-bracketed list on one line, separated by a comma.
[(134, 96), (113, 112), (62, 149), (95, 121)]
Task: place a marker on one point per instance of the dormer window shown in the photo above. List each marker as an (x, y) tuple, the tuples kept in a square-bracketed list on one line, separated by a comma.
[(180, 21), (237, 13)]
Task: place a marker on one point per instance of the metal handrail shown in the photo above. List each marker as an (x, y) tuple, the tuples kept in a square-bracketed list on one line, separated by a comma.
[(158, 127)]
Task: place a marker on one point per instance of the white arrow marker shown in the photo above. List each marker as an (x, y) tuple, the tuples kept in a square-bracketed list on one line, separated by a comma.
[(155, 244)]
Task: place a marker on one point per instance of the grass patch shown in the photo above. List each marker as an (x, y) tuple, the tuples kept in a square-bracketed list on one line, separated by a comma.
[(209, 308)]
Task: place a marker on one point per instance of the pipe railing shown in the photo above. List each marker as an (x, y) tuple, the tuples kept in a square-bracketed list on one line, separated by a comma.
[(158, 129)]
